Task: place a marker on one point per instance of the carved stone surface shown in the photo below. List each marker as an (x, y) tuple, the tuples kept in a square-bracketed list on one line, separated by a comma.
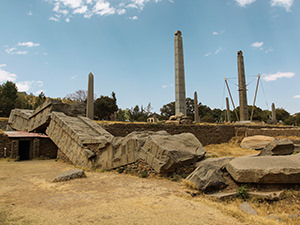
[(208, 175), (265, 169), (164, 153)]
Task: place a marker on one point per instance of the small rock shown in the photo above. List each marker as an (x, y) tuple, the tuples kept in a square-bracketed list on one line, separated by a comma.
[(270, 196), (69, 175), (275, 217), (247, 208), (223, 196)]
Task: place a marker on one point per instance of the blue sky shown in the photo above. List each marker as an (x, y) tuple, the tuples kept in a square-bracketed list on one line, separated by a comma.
[(52, 45)]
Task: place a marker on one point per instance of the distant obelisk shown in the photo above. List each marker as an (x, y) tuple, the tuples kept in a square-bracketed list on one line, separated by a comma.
[(196, 110), (180, 105), (274, 113), (242, 87), (228, 110), (90, 98)]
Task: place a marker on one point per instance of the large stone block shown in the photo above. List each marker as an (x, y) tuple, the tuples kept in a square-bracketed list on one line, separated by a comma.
[(278, 147), (256, 142), (208, 175), (19, 119), (164, 153), (265, 169)]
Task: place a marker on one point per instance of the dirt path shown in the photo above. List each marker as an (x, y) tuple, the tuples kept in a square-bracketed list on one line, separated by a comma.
[(27, 196)]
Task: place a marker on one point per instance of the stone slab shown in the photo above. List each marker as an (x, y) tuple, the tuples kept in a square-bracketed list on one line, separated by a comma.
[(265, 169)]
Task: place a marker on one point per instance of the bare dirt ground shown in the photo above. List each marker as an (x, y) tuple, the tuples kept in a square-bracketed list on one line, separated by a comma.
[(27, 196)]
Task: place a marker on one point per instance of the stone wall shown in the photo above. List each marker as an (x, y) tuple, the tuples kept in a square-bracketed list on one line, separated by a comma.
[(47, 148), (206, 134), (273, 132), (4, 143)]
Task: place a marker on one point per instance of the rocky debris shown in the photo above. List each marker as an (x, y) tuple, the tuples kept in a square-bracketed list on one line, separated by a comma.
[(297, 148), (223, 196), (165, 152), (265, 169), (256, 142), (270, 196), (247, 208), (208, 175), (70, 175), (123, 150), (278, 147), (180, 118)]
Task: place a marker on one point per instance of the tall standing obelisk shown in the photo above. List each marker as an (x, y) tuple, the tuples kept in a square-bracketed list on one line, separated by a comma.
[(180, 105), (90, 98), (242, 87)]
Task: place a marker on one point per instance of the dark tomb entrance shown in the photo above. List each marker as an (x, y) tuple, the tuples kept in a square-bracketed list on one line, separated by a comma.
[(24, 150)]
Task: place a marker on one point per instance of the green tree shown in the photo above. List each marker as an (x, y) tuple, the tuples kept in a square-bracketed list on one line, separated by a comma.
[(8, 97), (281, 114), (40, 100), (105, 106), (23, 101)]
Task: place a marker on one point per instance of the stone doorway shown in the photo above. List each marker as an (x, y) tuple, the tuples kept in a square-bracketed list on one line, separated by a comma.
[(24, 150)]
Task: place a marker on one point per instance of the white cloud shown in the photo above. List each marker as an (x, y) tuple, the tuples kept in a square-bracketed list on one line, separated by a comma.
[(20, 53), (29, 13), (67, 20), (81, 10), (13, 51), (218, 32), (55, 19), (71, 3), (89, 8), (257, 44), (133, 18), (29, 85), (296, 96), (121, 11), (218, 51), (74, 77), (5, 75), (103, 8), (10, 50), (287, 4), (213, 53), (28, 44), (244, 3), (164, 86), (275, 76)]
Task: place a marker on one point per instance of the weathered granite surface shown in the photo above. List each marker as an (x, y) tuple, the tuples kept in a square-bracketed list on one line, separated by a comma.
[(265, 169), (164, 153), (70, 175), (208, 175), (278, 147), (256, 142)]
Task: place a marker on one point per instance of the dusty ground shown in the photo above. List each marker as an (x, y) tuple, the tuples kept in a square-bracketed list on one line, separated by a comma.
[(27, 196)]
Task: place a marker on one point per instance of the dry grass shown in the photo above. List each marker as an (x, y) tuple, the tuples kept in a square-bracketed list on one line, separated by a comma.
[(228, 149), (3, 119)]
